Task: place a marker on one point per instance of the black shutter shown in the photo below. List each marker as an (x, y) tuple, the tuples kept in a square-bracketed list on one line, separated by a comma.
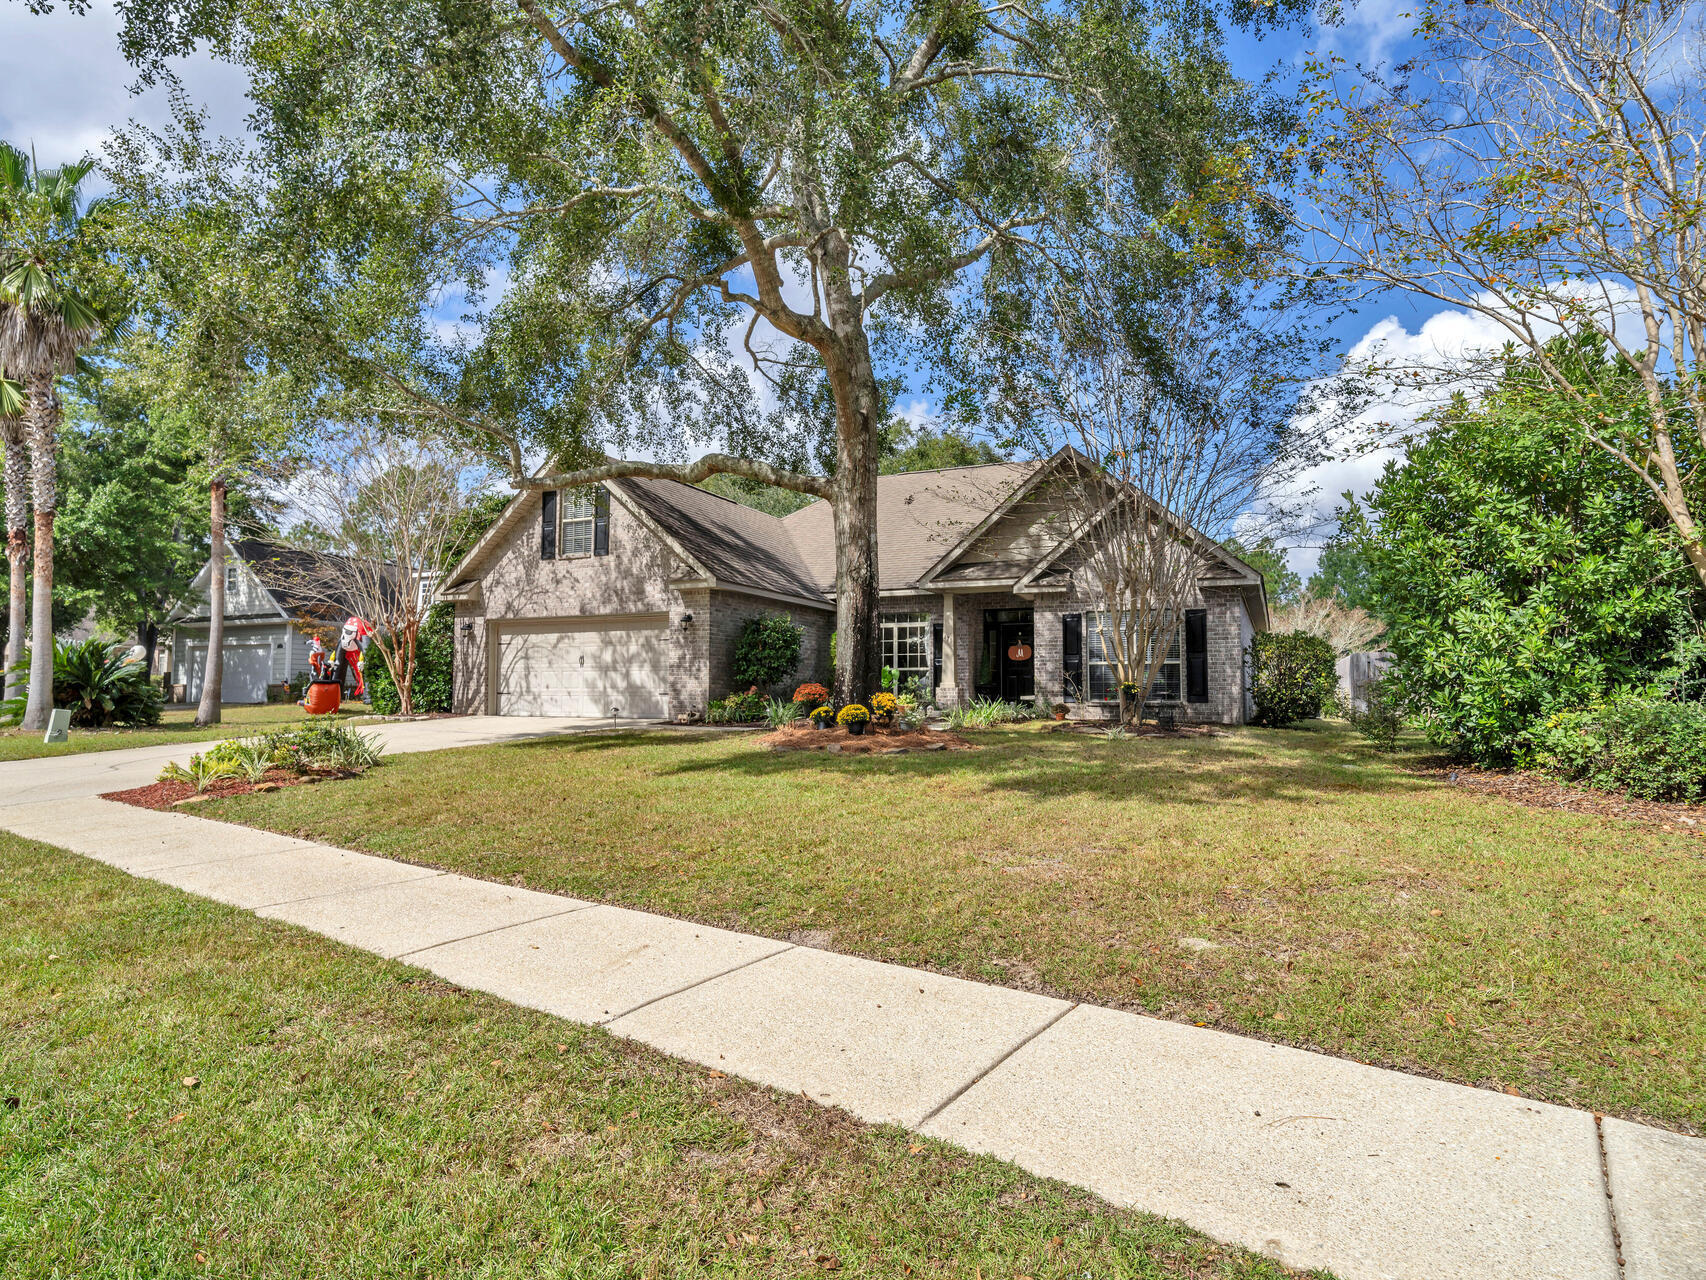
[(548, 525), (935, 657), (601, 522), (1196, 655), (1072, 653)]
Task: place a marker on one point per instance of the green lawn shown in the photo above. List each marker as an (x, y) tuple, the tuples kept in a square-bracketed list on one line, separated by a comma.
[(190, 1090), (178, 726), (1353, 906)]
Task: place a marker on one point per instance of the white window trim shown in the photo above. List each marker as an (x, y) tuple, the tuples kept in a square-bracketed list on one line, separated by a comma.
[(889, 629), (571, 500)]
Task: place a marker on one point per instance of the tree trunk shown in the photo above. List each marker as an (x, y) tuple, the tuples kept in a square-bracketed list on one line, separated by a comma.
[(43, 418), (213, 673), (858, 415), (17, 554), (148, 636)]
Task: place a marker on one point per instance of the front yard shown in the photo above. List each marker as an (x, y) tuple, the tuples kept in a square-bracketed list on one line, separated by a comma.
[(177, 725), (1292, 885), (191, 1090)]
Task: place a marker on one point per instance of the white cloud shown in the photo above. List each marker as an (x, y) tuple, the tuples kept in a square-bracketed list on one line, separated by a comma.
[(64, 87)]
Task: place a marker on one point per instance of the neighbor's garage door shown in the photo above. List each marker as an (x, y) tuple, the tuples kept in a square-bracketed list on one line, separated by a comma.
[(246, 671), (584, 668)]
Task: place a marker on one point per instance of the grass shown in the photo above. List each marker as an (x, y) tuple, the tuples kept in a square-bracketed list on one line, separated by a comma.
[(177, 726), (194, 1091), (1352, 905)]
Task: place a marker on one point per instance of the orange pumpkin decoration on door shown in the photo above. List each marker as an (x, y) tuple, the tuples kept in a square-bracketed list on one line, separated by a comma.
[(1019, 652)]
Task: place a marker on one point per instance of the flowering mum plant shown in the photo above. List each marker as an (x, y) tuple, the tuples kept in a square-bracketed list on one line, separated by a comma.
[(853, 713), (812, 694), (884, 704), (823, 713)]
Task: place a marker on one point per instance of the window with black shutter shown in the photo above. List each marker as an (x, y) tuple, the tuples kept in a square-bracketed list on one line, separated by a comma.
[(935, 656), (1196, 655), (1072, 653), (601, 523), (548, 525)]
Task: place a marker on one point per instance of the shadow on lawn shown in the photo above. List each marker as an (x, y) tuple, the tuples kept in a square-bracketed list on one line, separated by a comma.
[(1052, 766)]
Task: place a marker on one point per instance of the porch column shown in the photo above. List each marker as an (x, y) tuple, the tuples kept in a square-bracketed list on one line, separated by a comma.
[(948, 692)]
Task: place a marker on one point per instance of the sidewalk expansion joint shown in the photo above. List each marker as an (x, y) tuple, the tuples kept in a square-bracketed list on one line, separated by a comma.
[(1605, 1181), (670, 995), (500, 928), (337, 893), (959, 1093)]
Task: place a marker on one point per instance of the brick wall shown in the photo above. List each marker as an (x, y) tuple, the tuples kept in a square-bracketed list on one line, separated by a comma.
[(731, 610)]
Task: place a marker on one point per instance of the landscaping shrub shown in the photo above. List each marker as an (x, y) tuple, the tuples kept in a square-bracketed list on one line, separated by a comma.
[(985, 713), (737, 708), (1521, 569), (811, 695), (782, 712), (435, 661), (767, 651), (1654, 748), (99, 684), (1291, 676), (1381, 716)]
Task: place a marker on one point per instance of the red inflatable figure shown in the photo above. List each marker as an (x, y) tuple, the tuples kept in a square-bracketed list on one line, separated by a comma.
[(352, 643)]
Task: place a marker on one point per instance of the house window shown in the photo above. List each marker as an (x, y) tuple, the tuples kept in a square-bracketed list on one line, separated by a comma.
[(578, 512), (1101, 668), (906, 645), (230, 577)]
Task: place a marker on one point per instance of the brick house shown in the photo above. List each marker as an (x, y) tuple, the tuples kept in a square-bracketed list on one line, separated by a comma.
[(630, 596)]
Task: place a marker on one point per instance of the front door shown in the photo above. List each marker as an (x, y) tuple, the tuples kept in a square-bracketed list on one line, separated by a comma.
[(1017, 673)]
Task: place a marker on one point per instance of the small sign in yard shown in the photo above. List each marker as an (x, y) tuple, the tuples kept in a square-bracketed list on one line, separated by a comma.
[(58, 725)]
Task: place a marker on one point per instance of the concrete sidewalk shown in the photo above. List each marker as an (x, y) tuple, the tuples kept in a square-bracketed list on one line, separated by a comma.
[(1314, 1160)]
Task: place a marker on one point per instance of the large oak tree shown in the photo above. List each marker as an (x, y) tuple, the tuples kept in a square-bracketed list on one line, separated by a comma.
[(637, 204)]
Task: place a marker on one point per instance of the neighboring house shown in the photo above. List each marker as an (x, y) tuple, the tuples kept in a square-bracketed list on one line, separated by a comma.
[(628, 597), (266, 626)]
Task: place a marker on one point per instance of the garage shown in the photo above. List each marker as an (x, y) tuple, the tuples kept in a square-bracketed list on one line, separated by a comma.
[(584, 667), (247, 671)]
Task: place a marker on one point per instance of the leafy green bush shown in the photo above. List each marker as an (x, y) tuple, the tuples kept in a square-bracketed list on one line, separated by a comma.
[(322, 745), (99, 684), (737, 708), (435, 661), (203, 770), (1654, 748), (1291, 676), (767, 651), (1381, 716), (1523, 571)]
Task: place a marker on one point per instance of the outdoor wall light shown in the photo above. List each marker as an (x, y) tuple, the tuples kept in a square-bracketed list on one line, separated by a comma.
[(467, 628), (687, 619)]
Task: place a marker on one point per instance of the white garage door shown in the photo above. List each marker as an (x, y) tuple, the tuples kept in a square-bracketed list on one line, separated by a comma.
[(247, 670), (584, 668)]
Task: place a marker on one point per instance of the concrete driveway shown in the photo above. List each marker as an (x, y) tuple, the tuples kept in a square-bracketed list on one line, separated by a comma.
[(95, 772)]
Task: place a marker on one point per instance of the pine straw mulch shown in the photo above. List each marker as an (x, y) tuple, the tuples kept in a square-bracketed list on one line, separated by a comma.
[(171, 793), (1540, 792), (876, 738)]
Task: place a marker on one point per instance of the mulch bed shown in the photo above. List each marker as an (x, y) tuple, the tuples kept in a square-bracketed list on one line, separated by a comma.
[(1540, 792), (167, 795), (876, 738)]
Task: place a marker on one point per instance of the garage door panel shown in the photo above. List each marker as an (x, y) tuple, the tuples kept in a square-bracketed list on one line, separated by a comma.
[(583, 669), (244, 676)]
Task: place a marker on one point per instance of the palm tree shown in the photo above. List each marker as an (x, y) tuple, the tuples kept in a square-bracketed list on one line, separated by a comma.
[(17, 479), (46, 318)]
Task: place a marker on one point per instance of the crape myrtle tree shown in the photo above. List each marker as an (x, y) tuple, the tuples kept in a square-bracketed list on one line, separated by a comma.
[(1539, 163), (1169, 387), (638, 205)]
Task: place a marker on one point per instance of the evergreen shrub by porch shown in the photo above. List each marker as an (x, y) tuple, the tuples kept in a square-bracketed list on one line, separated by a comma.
[(1654, 748), (1292, 676), (766, 651)]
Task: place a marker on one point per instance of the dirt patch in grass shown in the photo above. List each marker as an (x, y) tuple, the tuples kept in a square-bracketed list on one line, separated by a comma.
[(875, 739), (169, 793), (1540, 792)]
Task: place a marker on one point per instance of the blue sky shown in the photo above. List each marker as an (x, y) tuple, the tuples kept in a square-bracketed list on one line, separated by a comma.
[(64, 86)]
